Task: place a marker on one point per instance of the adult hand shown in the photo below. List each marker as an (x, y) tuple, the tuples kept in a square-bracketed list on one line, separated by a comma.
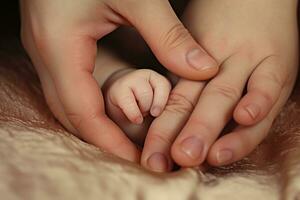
[(259, 54), (60, 36)]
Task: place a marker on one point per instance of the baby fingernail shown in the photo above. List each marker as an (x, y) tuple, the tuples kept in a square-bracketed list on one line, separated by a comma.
[(192, 147), (253, 110), (158, 162), (224, 157), (200, 60), (155, 111), (139, 120)]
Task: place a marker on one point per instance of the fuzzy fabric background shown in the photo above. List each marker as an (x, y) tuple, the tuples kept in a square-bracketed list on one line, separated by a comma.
[(40, 160)]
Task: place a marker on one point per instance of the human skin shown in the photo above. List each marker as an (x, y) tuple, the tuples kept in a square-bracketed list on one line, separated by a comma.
[(256, 43), (133, 96), (60, 36)]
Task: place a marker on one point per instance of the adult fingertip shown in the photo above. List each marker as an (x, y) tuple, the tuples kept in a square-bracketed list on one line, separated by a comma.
[(220, 155), (224, 157), (189, 152), (171, 42), (157, 162), (247, 114)]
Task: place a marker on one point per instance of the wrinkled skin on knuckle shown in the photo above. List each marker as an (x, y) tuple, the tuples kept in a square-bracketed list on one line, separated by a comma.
[(224, 90), (275, 78), (175, 36), (177, 103), (159, 138)]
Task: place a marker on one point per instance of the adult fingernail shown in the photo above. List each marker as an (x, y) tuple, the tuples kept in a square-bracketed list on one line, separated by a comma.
[(158, 162), (224, 157), (192, 147), (253, 110), (200, 60)]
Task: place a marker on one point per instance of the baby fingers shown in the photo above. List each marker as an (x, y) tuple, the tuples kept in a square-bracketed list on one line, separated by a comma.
[(161, 88), (126, 101), (139, 93)]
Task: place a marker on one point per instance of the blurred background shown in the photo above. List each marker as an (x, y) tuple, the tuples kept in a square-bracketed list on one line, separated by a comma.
[(9, 18)]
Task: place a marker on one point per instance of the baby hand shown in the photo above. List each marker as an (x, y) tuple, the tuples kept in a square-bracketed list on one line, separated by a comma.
[(131, 95)]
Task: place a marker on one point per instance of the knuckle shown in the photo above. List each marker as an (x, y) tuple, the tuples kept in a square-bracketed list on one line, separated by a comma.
[(178, 103), (175, 36), (269, 95), (224, 90), (78, 120), (203, 125), (273, 77), (159, 138)]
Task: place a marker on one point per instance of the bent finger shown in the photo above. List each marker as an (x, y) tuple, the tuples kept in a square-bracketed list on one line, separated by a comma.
[(161, 88), (264, 88), (144, 96), (212, 112), (70, 61), (127, 102), (244, 139), (168, 39), (164, 129)]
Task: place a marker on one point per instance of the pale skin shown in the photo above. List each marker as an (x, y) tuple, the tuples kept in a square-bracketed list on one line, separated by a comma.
[(60, 36), (133, 97), (256, 43), (269, 61)]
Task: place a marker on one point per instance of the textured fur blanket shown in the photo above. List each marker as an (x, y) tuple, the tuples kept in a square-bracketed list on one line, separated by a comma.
[(40, 160)]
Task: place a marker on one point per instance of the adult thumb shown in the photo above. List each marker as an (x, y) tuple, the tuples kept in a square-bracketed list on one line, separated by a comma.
[(168, 39)]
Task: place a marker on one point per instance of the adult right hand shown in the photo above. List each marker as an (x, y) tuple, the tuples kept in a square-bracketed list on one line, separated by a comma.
[(61, 36), (254, 58)]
